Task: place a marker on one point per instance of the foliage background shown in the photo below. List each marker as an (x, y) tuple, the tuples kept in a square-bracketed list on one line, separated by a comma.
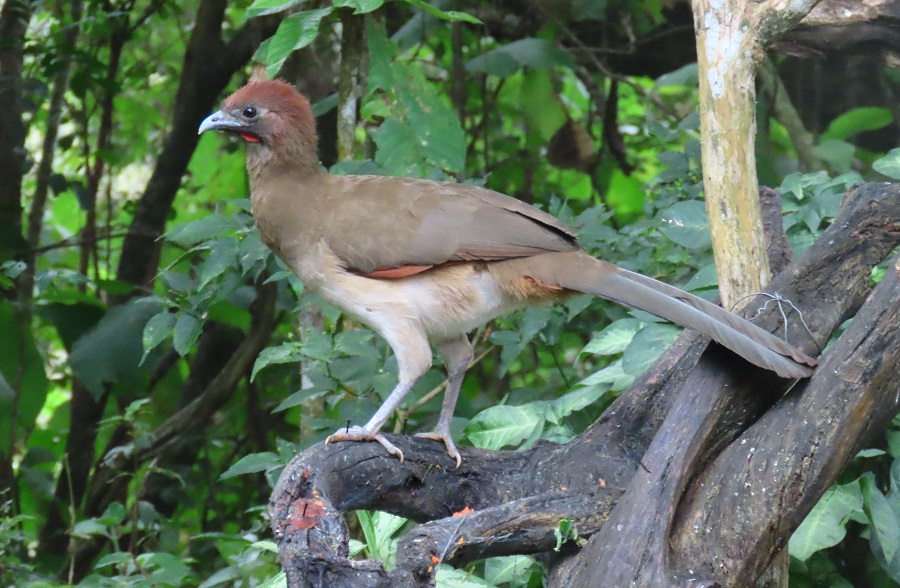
[(158, 366)]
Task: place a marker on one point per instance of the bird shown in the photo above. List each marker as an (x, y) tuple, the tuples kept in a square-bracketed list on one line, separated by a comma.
[(425, 262)]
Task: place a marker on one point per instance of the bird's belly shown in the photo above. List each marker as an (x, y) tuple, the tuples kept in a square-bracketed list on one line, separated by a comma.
[(441, 303)]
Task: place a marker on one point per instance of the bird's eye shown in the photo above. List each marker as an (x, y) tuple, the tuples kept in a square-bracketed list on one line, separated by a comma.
[(249, 112)]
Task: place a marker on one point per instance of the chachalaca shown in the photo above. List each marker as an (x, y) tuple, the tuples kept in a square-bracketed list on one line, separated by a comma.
[(424, 262)]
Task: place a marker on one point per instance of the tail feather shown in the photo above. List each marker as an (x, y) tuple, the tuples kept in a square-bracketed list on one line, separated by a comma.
[(583, 273)]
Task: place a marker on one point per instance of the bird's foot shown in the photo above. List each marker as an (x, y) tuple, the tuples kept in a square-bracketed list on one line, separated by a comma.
[(363, 434), (440, 434)]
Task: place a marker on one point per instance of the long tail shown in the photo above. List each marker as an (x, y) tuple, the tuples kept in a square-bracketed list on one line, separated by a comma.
[(580, 272)]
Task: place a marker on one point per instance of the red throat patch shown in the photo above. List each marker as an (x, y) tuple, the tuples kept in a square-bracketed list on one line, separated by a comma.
[(250, 138)]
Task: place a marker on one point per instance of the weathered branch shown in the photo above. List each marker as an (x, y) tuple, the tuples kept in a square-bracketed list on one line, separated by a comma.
[(679, 418), (839, 26)]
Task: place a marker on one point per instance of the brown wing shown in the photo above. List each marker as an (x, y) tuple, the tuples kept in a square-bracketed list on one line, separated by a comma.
[(382, 223)]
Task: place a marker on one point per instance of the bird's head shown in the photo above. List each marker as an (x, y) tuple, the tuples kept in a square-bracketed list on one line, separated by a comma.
[(273, 119)]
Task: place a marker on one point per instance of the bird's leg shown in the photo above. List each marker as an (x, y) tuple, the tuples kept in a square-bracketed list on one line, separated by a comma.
[(413, 360), (457, 354)]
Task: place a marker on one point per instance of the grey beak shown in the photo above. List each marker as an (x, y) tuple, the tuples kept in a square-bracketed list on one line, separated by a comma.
[(219, 121)]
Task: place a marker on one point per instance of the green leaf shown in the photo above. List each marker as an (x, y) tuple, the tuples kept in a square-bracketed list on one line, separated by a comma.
[(580, 397), (22, 370), (512, 568), (284, 353), (212, 225), (157, 330), (625, 194), (889, 165), (187, 329), (882, 521), (295, 32), (263, 7), (614, 338), (686, 223), (683, 77), (443, 14), (612, 374), (838, 154), (112, 559), (221, 257), (111, 352), (317, 345), (359, 6), (508, 59), (448, 577), (858, 120), (646, 347), (499, 426), (251, 464), (825, 525)]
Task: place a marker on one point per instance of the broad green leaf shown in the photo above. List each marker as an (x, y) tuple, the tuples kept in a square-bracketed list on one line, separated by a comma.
[(279, 580), (501, 426), (824, 526), (612, 374), (359, 6), (512, 568), (539, 102), (187, 329), (686, 223), (295, 32), (625, 194), (211, 225), (443, 14), (112, 559), (704, 279), (317, 345), (168, 569), (448, 577), (858, 120), (838, 154), (685, 76), (397, 149), (251, 464), (263, 7), (646, 347), (882, 521), (158, 329), (113, 515), (22, 369), (379, 529), (580, 397), (284, 353), (614, 338), (89, 528), (508, 59), (222, 255), (111, 352), (889, 165)]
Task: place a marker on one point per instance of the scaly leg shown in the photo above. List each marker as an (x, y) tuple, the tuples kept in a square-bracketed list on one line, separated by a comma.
[(413, 360), (457, 354)]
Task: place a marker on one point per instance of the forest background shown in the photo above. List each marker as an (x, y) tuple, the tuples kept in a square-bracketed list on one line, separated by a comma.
[(133, 284)]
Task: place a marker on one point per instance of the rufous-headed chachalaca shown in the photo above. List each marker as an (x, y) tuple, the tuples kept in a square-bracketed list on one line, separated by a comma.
[(424, 262)]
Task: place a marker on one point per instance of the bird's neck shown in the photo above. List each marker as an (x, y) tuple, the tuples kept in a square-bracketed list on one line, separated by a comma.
[(297, 157)]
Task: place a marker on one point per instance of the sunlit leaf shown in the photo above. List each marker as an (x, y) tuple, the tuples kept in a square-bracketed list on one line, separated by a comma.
[(686, 223), (251, 464), (501, 426), (824, 526)]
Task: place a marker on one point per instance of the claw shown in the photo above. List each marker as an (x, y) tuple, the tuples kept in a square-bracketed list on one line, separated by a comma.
[(444, 436), (363, 434)]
